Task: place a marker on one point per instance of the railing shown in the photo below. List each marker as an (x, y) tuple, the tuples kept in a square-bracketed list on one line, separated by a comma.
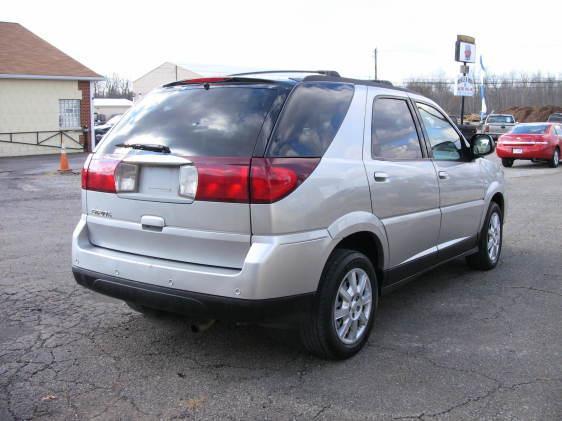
[(39, 140)]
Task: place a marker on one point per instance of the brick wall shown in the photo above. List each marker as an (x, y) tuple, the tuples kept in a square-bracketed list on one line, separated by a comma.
[(85, 107)]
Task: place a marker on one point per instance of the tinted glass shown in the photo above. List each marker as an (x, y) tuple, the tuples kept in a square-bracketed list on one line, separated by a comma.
[(501, 119), (193, 121), (556, 118), (530, 129), (444, 140), (311, 119), (393, 133)]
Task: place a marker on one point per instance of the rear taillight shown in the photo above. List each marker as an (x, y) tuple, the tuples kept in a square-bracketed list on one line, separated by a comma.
[(274, 178), (85, 171), (236, 180), (109, 175), (126, 176), (222, 179), (261, 180), (486, 129), (100, 175)]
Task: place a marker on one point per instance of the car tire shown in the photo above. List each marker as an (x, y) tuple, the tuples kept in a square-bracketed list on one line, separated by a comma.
[(342, 316), (555, 160), (489, 241), (508, 163), (145, 311)]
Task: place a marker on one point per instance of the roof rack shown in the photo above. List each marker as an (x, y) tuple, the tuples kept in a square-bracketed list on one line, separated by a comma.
[(383, 82), (332, 73)]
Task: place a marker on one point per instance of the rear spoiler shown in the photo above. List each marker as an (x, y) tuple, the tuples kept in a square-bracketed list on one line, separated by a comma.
[(209, 80)]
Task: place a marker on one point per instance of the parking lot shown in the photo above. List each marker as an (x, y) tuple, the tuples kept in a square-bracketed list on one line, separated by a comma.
[(454, 344)]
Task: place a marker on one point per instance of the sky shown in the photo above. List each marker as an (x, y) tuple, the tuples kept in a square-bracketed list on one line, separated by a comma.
[(415, 39)]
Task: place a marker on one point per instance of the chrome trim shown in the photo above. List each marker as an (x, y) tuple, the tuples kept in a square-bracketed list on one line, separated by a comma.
[(434, 249), (421, 254), (157, 159), (450, 243), (410, 216)]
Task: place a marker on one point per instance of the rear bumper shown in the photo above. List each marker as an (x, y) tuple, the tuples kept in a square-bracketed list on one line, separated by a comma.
[(275, 267), (528, 152), (195, 305)]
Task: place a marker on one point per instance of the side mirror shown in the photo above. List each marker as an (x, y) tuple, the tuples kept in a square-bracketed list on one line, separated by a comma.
[(481, 145)]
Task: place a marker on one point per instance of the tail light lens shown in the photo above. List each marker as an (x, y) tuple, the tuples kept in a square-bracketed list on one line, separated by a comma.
[(99, 175), (109, 175), (222, 179), (236, 180), (259, 180), (188, 181), (126, 176), (84, 174), (486, 129), (274, 178)]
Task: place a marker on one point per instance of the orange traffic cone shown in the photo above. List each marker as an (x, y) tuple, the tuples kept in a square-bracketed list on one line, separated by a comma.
[(64, 167)]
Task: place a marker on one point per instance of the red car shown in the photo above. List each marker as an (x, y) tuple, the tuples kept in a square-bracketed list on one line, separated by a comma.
[(534, 141)]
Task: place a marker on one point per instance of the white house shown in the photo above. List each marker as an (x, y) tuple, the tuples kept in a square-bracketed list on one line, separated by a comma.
[(105, 108), (45, 96), (165, 73)]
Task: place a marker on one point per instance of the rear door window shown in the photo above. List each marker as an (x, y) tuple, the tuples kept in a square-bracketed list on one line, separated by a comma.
[(310, 120), (393, 132), (194, 121)]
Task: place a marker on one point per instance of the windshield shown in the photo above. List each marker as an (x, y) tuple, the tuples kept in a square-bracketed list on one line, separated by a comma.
[(194, 121), (506, 119), (530, 129)]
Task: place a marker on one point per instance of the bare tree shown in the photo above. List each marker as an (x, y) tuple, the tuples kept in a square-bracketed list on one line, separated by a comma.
[(503, 92), (113, 86)]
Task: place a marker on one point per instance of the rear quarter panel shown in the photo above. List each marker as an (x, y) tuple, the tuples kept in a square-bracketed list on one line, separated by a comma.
[(338, 185)]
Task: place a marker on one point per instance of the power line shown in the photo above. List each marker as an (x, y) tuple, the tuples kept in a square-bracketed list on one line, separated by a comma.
[(498, 83)]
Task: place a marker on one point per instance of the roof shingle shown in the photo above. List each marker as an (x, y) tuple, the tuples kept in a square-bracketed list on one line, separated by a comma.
[(24, 53)]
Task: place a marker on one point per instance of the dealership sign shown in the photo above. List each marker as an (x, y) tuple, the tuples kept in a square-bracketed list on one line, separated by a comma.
[(465, 49), (464, 86)]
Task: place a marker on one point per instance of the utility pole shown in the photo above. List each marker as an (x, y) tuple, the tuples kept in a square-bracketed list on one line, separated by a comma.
[(464, 68), (376, 65)]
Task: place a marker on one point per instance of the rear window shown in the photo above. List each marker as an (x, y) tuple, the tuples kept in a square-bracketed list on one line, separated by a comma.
[(501, 119), (311, 118), (530, 129), (194, 121), (556, 118)]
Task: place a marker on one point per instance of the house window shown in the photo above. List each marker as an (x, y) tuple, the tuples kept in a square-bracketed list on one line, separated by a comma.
[(69, 113)]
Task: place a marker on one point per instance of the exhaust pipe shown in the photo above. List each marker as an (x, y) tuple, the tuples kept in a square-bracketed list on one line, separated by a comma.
[(202, 326)]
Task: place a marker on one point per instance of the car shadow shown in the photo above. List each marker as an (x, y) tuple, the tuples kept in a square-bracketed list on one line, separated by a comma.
[(228, 343)]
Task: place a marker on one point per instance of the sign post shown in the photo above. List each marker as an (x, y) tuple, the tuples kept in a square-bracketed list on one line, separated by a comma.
[(465, 52)]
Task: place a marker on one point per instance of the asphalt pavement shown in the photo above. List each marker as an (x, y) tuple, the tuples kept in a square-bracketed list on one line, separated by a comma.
[(454, 344)]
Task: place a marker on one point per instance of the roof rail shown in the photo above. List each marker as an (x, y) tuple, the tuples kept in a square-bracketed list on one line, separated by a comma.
[(332, 73), (383, 82)]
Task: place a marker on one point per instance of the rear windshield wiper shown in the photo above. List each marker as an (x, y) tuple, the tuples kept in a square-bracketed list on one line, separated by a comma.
[(144, 147)]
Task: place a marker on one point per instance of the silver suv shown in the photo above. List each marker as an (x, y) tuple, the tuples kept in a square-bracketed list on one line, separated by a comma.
[(300, 197)]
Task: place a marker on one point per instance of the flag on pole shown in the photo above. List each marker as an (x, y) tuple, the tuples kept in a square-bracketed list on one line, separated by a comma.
[(484, 109)]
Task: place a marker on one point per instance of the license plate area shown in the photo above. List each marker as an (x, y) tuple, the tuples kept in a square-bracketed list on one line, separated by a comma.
[(158, 183), (517, 150)]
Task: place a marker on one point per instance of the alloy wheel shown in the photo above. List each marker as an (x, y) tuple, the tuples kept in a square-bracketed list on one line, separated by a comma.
[(353, 306), (494, 237)]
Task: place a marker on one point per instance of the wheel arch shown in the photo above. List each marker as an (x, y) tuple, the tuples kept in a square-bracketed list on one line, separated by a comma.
[(363, 232)]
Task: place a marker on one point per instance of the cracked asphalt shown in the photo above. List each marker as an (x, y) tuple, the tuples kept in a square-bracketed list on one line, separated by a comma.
[(454, 344)]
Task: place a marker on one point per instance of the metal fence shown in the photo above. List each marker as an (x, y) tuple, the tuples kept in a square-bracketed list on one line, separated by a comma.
[(40, 138)]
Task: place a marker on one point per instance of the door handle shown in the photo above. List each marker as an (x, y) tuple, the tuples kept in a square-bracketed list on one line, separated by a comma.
[(152, 223), (443, 175), (381, 177)]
